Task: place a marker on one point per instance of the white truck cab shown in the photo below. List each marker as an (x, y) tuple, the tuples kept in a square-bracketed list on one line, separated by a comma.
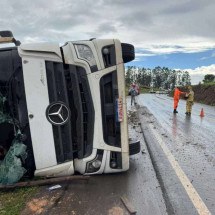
[(71, 104)]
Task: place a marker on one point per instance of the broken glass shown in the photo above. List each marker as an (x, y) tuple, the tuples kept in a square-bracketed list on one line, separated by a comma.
[(4, 117), (11, 169)]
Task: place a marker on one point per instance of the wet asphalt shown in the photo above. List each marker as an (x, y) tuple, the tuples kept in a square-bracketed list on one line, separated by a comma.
[(191, 140), (101, 194), (151, 185)]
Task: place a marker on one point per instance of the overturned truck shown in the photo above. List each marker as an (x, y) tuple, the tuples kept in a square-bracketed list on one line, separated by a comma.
[(67, 105)]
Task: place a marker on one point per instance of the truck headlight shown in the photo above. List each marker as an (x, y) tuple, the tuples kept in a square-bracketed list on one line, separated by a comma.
[(94, 165), (84, 52)]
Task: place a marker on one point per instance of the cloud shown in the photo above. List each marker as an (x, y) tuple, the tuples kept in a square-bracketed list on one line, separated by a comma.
[(137, 59), (184, 7), (144, 54), (197, 74), (204, 58), (188, 46), (174, 26), (208, 57)]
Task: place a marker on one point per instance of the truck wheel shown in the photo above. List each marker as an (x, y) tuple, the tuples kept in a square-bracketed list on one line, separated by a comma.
[(6, 34), (134, 148), (128, 53)]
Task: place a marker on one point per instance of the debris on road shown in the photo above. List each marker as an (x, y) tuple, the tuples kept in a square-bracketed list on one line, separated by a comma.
[(45, 182), (128, 205), (143, 151), (132, 117), (54, 187)]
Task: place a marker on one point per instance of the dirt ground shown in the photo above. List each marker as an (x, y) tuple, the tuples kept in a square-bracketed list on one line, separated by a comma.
[(204, 93)]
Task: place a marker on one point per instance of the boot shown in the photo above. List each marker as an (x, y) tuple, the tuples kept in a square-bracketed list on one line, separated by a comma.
[(175, 111)]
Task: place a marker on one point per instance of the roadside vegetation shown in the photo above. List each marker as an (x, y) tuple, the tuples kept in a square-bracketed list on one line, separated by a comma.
[(205, 93), (166, 79), (12, 202), (159, 77), (208, 84), (209, 79), (143, 89)]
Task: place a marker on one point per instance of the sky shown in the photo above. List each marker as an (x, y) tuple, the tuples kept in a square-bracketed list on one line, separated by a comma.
[(170, 33)]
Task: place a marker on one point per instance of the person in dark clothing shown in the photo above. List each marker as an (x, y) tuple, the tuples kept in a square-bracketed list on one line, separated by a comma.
[(133, 94)]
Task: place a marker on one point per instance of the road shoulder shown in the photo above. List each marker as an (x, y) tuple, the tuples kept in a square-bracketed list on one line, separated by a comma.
[(175, 194)]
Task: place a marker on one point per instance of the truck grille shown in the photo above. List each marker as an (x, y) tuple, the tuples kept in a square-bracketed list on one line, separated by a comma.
[(67, 84), (109, 94)]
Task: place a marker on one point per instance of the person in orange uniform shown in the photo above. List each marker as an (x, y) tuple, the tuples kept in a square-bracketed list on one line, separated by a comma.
[(177, 94)]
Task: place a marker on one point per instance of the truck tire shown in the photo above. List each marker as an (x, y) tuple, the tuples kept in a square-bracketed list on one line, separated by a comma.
[(128, 52), (134, 148), (6, 34)]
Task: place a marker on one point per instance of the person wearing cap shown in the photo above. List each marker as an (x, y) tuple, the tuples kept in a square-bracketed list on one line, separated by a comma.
[(177, 94), (133, 93), (190, 100)]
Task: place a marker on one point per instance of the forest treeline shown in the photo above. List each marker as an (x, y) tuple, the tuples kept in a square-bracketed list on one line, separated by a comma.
[(159, 77)]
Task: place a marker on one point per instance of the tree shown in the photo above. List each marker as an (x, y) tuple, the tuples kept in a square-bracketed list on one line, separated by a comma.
[(158, 77), (185, 80), (128, 74), (209, 78)]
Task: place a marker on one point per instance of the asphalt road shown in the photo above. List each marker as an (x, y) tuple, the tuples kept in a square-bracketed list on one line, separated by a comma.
[(102, 193), (182, 149), (174, 173)]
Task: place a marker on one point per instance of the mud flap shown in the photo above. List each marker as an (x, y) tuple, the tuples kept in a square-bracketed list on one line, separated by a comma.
[(134, 148)]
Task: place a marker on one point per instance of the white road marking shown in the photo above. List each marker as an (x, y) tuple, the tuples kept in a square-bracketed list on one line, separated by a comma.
[(192, 193)]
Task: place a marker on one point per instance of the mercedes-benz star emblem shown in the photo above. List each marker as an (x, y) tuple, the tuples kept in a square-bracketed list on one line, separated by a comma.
[(58, 113)]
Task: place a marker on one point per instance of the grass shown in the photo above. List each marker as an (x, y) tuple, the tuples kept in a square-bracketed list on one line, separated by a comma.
[(207, 84), (144, 90), (12, 202)]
